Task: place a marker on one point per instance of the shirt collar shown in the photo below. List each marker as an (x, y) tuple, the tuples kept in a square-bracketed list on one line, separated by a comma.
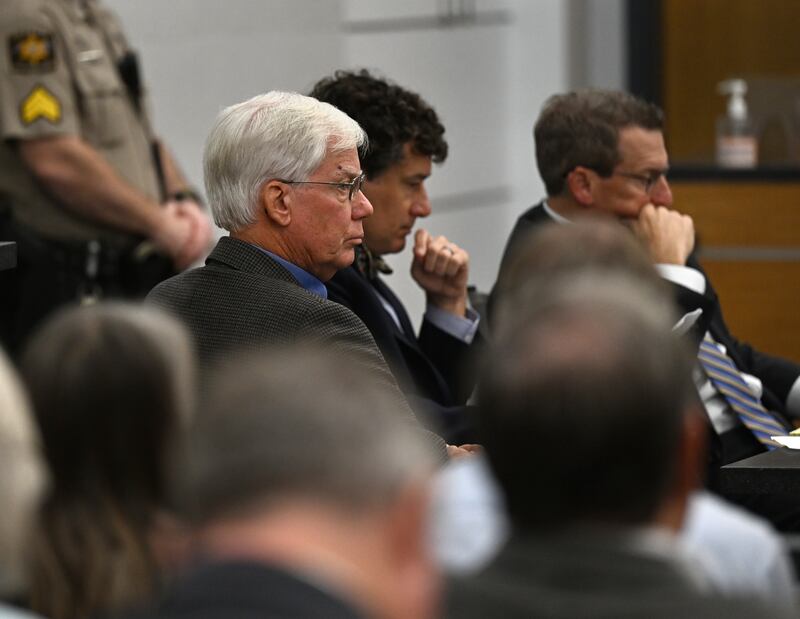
[(560, 219), (304, 278)]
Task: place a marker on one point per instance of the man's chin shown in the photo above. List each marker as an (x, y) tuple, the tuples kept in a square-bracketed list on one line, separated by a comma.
[(397, 246), (346, 258)]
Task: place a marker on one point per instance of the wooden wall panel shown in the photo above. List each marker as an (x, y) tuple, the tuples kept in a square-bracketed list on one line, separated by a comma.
[(761, 301), (706, 41), (749, 224), (759, 214)]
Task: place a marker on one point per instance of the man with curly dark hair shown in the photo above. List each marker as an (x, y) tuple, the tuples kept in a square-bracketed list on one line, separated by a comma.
[(405, 139)]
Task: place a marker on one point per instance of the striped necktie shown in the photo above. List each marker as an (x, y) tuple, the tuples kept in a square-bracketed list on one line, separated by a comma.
[(729, 382)]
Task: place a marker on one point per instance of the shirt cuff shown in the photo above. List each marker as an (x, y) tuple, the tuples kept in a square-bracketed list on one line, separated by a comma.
[(683, 276), (462, 328), (793, 400)]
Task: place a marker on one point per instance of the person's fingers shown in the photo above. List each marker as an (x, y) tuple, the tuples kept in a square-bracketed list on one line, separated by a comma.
[(458, 260), (421, 240)]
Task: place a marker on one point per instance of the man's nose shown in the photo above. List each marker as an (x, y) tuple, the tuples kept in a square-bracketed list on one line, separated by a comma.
[(421, 207), (661, 194), (361, 206)]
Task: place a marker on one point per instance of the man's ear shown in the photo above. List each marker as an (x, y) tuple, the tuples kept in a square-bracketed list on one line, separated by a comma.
[(408, 518), (580, 182), (694, 441), (689, 467), (275, 200)]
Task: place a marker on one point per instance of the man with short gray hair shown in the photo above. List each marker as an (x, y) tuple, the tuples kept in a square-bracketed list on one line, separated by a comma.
[(304, 509), (283, 176)]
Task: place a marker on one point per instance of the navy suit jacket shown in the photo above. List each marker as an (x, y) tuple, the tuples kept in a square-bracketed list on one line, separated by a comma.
[(433, 369), (687, 300)]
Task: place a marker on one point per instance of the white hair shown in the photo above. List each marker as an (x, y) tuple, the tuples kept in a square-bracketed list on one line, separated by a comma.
[(22, 478), (277, 135)]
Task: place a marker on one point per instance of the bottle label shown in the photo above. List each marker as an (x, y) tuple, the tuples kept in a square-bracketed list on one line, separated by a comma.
[(737, 151)]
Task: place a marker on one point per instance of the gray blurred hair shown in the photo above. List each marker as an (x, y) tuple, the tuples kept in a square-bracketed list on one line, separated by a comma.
[(296, 425), (22, 479), (277, 135)]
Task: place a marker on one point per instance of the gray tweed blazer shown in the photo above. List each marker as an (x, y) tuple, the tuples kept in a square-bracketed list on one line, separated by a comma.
[(243, 300)]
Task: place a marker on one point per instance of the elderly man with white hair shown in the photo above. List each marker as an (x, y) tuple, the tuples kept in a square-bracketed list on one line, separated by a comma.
[(283, 176)]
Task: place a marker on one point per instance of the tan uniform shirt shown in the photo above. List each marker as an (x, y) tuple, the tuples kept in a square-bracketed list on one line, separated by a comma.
[(59, 76)]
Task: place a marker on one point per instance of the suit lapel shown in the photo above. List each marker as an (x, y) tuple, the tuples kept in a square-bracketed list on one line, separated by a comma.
[(406, 339)]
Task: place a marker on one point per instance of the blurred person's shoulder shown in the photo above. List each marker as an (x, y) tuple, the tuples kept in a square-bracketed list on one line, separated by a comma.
[(13, 612)]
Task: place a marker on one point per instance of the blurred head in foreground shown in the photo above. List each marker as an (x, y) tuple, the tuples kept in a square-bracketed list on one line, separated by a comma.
[(111, 384), (295, 461), (587, 363)]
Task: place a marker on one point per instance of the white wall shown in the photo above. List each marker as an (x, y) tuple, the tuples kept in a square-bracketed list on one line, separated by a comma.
[(486, 80), (598, 54), (199, 56)]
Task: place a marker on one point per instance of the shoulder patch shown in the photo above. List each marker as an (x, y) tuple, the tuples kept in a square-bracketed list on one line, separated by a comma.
[(40, 103), (32, 51)]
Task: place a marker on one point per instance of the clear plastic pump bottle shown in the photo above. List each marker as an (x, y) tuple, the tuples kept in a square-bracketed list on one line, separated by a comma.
[(737, 144)]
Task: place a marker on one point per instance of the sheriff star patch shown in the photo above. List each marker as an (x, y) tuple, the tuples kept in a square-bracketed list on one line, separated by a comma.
[(32, 52), (40, 103)]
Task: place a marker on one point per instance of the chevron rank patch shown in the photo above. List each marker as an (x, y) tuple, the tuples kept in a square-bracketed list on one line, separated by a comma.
[(40, 103), (32, 52)]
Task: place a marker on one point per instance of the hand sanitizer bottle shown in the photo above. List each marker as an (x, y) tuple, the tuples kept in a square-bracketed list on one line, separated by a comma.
[(737, 145)]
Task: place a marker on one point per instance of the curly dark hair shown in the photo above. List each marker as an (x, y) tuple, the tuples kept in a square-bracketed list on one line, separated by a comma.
[(392, 116)]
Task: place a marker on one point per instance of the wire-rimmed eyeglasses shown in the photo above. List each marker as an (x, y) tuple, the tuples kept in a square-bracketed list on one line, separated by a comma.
[(352, 188), (648, 180)]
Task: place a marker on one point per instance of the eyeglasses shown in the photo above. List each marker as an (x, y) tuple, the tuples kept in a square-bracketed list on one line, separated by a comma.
[(352, 188), (648, 181)]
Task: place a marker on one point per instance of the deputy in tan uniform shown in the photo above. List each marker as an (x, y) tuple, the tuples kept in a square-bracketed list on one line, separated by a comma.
[(87, 191)]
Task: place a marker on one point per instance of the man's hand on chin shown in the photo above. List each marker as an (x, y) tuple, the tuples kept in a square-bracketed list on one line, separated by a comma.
[(667, 234), (441, 268)]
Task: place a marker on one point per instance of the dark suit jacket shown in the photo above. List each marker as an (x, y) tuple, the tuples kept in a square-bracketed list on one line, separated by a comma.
[(777, 375), (248, 591), (536, 216), (433, 369), (243, 300), (580, 576)]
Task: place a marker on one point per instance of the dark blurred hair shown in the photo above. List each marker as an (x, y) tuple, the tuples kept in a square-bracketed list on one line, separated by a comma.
[(585, 367), (109, 386), (582, 401), (391, 116), (582, 129)]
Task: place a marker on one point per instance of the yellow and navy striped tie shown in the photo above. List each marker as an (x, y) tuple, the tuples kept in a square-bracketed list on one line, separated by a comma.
[(729, 382)]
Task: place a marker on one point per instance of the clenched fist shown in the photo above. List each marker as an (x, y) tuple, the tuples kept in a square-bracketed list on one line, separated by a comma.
[(441, 268), (667, 234)]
